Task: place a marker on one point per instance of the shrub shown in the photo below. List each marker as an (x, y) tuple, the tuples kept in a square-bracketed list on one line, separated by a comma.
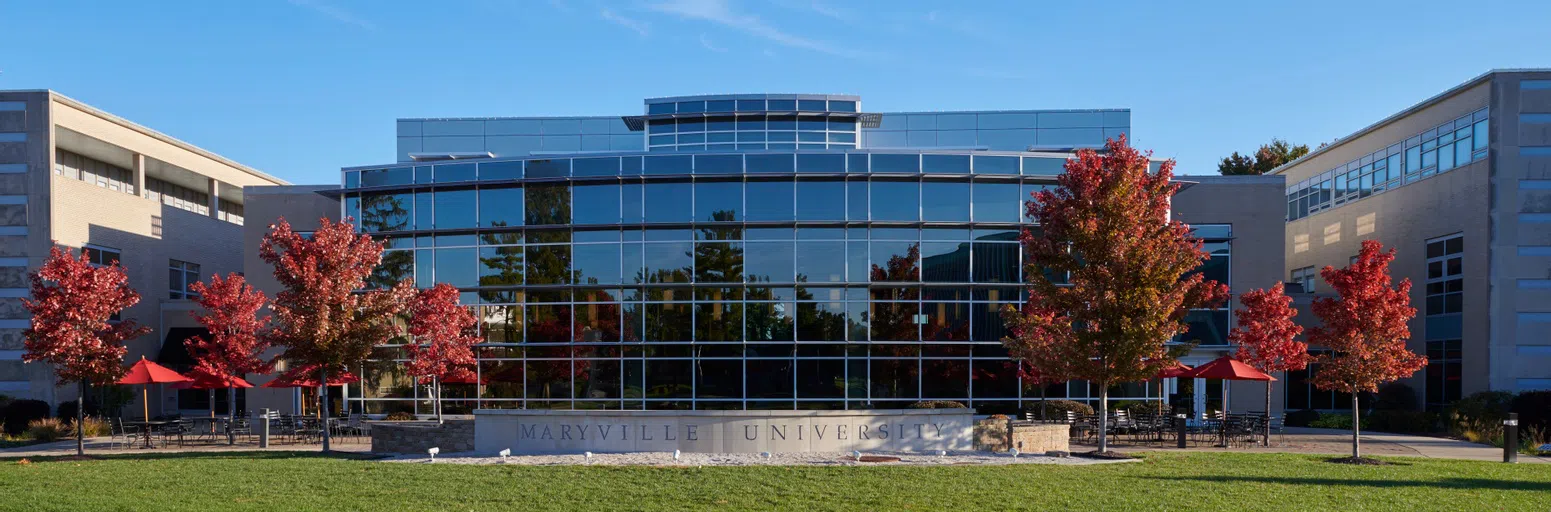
[(21, 413), (401, 416), (95, 427), (47, 429), (1058, 408), (1300, 418), (1403, 422), (1133, 406), (1339, 421), (66, 411), (1396, 396), (1534, 408), (1477, 416), (937, 404)]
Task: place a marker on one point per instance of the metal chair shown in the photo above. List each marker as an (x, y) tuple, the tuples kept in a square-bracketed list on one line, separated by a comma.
[(121, 435)]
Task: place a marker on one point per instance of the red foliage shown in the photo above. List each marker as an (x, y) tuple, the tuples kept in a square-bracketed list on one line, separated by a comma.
[(443, 331), (1107, 226), (1266, 331), (1365, 327), (235, 345), (320, 318), (72, 302)]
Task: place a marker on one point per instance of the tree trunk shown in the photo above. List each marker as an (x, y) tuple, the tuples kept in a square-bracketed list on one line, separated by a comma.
[(1103, 417), (323, 403), (231, 415), (1355, 423), (80, 418), (436, 387), (1267, 439)]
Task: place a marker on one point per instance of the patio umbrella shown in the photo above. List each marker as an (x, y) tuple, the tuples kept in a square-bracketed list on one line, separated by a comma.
[(147, 372), (1227, 368), (307, 377), (202, 380)]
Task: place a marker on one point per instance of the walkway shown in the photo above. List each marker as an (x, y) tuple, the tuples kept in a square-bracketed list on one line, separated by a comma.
[(1339, 442)]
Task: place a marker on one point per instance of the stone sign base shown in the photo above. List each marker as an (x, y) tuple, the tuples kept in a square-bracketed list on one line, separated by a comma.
[(550, 432), (419, 436), (1035, 438)]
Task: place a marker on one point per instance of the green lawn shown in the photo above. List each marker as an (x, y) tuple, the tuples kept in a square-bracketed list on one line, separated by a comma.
[(1219, 481)]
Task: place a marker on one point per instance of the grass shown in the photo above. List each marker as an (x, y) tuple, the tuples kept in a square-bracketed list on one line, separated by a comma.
[(1216, 481)]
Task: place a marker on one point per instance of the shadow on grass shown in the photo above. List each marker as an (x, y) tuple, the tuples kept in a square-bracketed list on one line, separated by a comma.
[(1445, 483), (232, 455)]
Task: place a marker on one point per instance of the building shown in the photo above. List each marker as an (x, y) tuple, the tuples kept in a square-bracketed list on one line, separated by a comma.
[(169, 212), (1460, 186), (747, 252)]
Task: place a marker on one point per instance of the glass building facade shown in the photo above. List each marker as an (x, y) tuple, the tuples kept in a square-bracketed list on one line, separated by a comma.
[(751, 252)]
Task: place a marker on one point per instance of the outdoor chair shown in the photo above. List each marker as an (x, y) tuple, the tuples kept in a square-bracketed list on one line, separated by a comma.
[(176, 429), (121, 435)]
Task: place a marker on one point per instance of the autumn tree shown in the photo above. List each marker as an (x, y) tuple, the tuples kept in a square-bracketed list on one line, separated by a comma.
[(1265, 336), (1110, 279), (1364, 328), (235, 346), (443, 338), (73, 304), (1270, 156), (322, 316)]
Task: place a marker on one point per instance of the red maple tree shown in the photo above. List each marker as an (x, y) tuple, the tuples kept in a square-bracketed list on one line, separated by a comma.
[(323, 317), (1364, 328), (443, 338), (1127, 267), (1265, 336), (235, 346), (73, 303)]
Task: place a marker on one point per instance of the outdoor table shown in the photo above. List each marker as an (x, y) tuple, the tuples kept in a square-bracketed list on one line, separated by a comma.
[(145, 428)]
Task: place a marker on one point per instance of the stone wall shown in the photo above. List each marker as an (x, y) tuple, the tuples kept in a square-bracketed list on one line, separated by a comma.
[(419, 436), (991, 435), (1040, 437)]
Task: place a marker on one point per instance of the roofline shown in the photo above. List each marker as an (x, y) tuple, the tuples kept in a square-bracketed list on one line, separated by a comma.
[(1435, 99), (1028, 111), (56, 96)]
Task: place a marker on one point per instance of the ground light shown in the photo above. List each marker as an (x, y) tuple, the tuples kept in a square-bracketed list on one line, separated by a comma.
[(505, 453), (433, 451), (1014, 452)]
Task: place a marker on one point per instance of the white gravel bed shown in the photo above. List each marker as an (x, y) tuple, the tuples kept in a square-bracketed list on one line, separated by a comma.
[(751, 459)]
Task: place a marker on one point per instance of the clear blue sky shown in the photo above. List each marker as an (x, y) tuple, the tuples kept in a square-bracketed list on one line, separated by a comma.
[(300, 88)]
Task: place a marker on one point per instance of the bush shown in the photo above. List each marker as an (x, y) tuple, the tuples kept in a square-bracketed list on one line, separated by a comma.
[(937, 404), (1396, 396), (48, 429), (1534, 408), (1300, 418), (1338, 421), (401, 416), (21, 413), (1402, 422), (1477, 416), (1133, 406), (66, 411), (1058, 408)]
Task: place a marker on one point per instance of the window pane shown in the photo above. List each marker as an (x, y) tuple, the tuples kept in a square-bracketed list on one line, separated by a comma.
[(386, 212), (718, 262), (500, 266), (945, 201), (549, 264), (770, 163), (821, 262), (823, 163), (719, 164), (770, 201), (500, 207), (821, 200), (668, 202), (718, 201), (549, 168), (997, 202), (549, 204), (669, 262), (596, 263), (595, 167), (596, 204), (895, 261), (447, 173), (769, 262), (996, 165), (889, 163), (896, 200), (945, 164), (455, 209), (456, 267), (945, 262)]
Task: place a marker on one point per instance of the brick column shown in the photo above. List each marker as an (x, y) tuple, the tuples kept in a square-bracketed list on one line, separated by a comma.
[(139, 174), (215, 198)]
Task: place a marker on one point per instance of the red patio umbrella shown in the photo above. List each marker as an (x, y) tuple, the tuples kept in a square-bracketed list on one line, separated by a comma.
[(1178, 370), (212, 382), (148, 372), (307, 377), (1227, 368)]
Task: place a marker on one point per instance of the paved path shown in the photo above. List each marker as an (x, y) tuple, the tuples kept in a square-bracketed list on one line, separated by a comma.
[(1339, 442)]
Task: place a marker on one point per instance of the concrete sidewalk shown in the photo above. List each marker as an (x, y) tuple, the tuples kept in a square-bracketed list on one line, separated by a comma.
[(1339, 442)]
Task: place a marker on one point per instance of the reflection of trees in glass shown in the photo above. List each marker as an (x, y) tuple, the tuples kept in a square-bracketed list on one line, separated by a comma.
[(501, 265), (385, 212), (815, 322), (549, 264), (896, 320), (719, 262), (396, 266), (548, 204)]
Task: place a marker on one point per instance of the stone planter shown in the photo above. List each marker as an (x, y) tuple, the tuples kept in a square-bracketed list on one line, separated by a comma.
[(1035, 438), (419, 436), (991, 435)]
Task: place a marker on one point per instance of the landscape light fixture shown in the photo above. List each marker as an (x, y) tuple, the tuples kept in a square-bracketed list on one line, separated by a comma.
[(857, 454), (433, 451), (1014, 452), (676, 455), (505, 453)]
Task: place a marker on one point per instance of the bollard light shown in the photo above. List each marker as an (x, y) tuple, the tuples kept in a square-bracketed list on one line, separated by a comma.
[(433, 451)]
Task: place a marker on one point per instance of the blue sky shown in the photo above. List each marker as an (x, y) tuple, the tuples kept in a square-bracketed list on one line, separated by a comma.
[(300, 88)]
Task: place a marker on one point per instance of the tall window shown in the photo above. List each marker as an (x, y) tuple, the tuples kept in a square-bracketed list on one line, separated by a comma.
[(1303, 277), (1444, 330), (181, 275)]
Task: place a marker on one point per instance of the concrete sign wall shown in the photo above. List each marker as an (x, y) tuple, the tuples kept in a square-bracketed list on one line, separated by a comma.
[(544, 431)]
